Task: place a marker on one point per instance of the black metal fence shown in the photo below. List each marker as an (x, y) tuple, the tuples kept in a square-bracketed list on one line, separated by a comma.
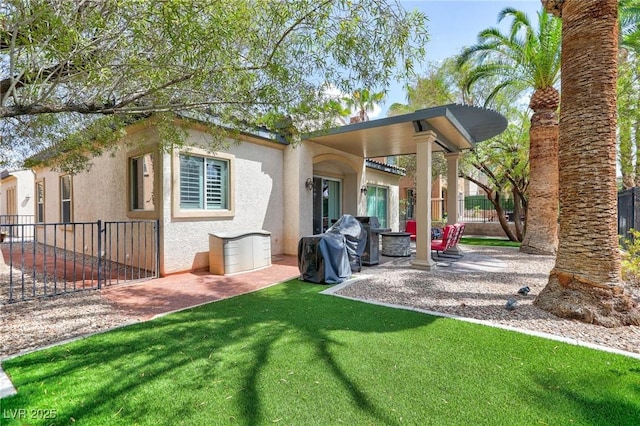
[(628, 212), (16, 226), (61, 258), (473, 209)]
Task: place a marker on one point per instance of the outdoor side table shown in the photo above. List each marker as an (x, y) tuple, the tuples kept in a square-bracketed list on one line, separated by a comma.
[(396, 244)]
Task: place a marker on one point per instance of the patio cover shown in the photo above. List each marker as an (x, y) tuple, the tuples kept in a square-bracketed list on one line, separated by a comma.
[(457, 128), (450, 128)]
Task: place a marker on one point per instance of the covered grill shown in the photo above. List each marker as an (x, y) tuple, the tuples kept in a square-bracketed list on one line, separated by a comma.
[(371, 225), (333, 256)]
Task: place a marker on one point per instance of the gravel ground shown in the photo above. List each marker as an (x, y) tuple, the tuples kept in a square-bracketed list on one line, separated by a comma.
[(477, 286), (37, 323)]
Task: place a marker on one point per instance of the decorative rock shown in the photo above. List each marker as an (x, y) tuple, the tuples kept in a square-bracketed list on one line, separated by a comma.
[(511, 304)]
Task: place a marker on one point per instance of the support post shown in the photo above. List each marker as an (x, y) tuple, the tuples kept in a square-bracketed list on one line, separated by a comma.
[(423, 258)]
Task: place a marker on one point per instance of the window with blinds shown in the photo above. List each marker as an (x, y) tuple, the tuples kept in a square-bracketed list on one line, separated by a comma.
[(65, 199), (40, 202), (204, 183)]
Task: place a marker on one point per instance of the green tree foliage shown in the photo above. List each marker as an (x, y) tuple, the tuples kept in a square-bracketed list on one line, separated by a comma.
[(439, 86), (629, 93), (244, 62), (629, 119), (629, 17), (363, 101), (499, 166), (525, 58)]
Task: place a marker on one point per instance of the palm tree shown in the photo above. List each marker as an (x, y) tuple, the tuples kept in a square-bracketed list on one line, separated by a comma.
[(628, 93), (629, 25), (363, 101), (585, 282), (528, 58)]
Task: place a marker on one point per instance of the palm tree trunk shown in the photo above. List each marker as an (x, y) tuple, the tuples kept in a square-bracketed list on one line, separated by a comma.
[(585, 283), (541, 235)]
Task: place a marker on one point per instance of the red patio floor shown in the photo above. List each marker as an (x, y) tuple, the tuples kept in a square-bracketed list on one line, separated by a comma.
[(146, 299)]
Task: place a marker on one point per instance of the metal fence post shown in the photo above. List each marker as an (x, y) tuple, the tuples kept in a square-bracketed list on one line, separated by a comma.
[(157, 271), (99, 225)]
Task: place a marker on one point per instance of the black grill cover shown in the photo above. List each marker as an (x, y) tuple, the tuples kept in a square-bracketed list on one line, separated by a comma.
[(327, 258), (354, 233)]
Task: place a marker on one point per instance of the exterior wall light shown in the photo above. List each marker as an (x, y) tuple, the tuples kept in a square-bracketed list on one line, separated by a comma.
[(309, 184)]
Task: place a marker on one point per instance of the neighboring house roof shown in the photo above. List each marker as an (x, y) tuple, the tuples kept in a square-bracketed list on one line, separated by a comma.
[(247, 130), (457, 127), (385, 167), (6, 173)]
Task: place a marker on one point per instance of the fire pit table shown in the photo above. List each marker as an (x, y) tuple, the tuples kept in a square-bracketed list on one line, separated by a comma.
[(396, 244)]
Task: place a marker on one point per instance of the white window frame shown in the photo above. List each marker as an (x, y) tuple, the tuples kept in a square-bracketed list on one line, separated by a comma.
[(39, 201), (63, 200), (371, 188), (179, 211)]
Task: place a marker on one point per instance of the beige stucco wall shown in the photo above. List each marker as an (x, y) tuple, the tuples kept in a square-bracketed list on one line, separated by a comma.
[(488, 229), (102, 194), (298, 205), (258, 188), (22, 182), (17, 202)]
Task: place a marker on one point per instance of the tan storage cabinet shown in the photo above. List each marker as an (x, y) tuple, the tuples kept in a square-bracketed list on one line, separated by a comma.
[(241, 251)]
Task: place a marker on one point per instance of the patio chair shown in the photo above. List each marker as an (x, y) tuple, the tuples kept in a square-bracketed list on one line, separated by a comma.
[(460, 226), (455, 240), (410, 227), (448, 238)]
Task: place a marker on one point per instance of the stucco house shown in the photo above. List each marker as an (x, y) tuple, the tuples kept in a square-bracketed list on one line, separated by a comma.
[(261, 182), (17, 200)]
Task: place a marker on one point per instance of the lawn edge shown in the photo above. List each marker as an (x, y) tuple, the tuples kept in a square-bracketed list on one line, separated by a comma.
[(575, 342)]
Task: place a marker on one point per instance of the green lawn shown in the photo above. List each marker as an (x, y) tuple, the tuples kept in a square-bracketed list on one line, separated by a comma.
[(488, 241), (288, 355)]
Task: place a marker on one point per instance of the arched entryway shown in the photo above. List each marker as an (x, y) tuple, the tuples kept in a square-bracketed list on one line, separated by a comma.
[(334, 179)]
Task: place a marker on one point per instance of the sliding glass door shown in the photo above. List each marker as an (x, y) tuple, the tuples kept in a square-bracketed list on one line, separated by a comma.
[(377, 203), (327, 203)]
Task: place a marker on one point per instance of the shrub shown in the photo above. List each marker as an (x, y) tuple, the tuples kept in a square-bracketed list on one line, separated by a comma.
[(631, 258)]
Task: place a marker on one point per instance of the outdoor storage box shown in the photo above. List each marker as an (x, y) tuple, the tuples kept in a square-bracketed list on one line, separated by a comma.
[(234, 252)]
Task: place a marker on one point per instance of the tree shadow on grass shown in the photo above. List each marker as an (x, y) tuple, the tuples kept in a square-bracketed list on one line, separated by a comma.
[(604, 397), (219, 360)]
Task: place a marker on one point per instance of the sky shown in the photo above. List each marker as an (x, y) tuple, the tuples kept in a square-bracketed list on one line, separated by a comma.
[(452, 25)]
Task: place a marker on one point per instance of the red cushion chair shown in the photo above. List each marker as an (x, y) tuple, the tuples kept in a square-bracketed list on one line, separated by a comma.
[(410, 227), (448, 238), (460, 227)]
